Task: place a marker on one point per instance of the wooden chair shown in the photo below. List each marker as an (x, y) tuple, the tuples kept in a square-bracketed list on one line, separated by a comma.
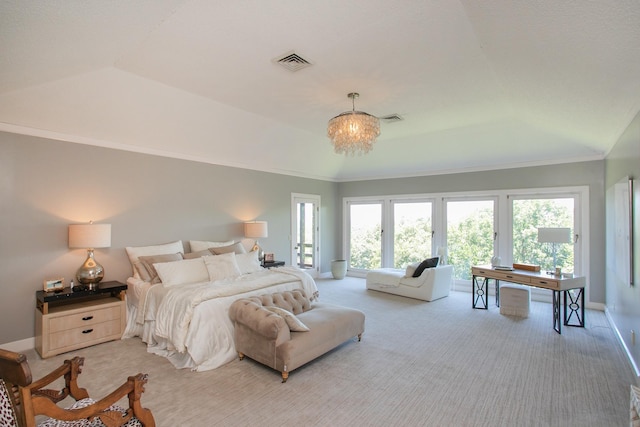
[(22, 399)]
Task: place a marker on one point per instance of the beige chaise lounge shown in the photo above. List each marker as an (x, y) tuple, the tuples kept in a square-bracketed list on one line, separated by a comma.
[(277, 339)]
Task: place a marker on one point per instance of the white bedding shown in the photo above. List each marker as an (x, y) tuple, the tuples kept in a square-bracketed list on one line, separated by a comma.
[(190, 325)]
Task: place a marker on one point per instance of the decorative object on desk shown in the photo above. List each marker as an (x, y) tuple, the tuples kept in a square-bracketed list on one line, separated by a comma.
[(527, 267), (353, 131), (496, 260), (441, 252), (51, 285), (554, 236), (256, 230), (268, 257), (89, 236), (339, 268)]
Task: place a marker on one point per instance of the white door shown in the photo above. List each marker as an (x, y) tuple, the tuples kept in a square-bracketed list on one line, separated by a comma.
[(305, 232)]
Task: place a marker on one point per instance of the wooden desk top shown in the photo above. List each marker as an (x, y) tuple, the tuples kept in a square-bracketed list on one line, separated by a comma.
[(531, 278)]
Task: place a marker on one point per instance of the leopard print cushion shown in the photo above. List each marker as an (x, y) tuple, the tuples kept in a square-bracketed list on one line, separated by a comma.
[(133, 422), (7, 416)]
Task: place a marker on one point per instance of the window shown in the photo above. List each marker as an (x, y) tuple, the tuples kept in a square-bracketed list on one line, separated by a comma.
[(528, 215), (365, 236), (470, 234), (473, 227), (412, 232)]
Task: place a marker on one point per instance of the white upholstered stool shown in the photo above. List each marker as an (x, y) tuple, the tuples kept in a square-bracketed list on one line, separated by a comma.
[(515, 300)]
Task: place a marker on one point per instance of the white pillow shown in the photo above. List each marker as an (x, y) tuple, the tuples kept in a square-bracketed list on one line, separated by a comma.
[(222, 266), (182, 272), (411, 268), (293, 322), (135, 252), (249, 262), (201, 245)]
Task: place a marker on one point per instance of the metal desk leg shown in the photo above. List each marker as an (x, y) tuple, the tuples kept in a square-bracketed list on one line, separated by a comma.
[(497, 292), (574, 301), (480, 292), (557, 325)]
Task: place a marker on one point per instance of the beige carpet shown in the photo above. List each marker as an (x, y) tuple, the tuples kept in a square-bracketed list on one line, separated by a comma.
[(419, 364)]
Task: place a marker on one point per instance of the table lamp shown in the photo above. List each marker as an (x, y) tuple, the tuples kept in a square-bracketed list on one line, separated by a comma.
[(554, 236), (256, 230), (90, 236)]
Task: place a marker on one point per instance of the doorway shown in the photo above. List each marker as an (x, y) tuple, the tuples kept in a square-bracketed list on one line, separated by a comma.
[(305, 232)]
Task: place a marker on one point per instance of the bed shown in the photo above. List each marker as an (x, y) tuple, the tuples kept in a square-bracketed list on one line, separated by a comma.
[(178, 303)]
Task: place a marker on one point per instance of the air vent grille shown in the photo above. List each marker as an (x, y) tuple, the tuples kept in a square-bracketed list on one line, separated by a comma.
[(292, 61), (392, 118)]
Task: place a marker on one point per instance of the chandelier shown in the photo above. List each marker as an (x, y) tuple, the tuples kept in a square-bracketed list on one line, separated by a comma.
[(353, 131)]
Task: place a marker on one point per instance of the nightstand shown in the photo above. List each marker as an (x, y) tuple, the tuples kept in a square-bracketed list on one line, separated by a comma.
[(269, 264), (69, 320)]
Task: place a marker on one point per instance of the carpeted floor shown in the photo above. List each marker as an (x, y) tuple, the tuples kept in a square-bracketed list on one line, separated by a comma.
[(419, 364)]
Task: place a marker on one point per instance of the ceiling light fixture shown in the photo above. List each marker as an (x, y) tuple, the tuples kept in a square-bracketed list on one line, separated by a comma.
[(353, 131)]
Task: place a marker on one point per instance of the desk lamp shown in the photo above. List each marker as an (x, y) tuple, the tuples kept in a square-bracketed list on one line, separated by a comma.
[(554, 236)]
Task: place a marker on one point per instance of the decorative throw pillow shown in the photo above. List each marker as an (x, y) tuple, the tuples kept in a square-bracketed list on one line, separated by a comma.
[(411, 268), (200, 245), (199, 254), (135, 252), (148, 272), (293, 322), (427, 263), (222, 266), (182, 272), (236, 248), (248, 262)]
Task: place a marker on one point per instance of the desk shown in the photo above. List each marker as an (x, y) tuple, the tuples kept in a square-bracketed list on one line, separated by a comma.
[(571, 287)]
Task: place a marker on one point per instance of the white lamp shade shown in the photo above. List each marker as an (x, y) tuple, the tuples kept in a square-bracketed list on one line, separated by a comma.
[(256, 229), (89, 236), (554, 235)]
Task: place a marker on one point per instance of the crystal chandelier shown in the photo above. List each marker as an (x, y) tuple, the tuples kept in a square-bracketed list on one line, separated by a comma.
[(353, 131)]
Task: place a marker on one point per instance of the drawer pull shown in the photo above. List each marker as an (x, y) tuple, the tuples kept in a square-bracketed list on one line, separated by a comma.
[(509, 277), (87, 331), (87, 318), (542, 282)]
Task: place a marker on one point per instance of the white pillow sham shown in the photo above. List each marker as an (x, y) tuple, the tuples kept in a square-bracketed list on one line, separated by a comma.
[(134, 252), (200, 245), (249, 262), (222, 266), (182, 272)]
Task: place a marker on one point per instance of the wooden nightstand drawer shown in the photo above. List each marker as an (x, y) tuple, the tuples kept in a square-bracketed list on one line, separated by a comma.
[(84, 318), (84, 336)]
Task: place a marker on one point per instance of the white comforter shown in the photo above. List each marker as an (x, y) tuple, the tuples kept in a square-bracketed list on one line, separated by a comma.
[(190, 324)]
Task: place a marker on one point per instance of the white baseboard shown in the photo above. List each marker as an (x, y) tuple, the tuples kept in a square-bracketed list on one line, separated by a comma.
[(19, 346), (636, 370)]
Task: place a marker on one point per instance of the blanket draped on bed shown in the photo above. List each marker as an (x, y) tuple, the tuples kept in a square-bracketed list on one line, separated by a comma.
[(176, 310)]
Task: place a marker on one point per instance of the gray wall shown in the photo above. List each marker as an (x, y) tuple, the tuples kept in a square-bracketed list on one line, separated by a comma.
[(623, 301), (46, 185), (590, 174)]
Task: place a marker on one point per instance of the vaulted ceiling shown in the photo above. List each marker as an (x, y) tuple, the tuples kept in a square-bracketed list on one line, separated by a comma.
[(479, 84)]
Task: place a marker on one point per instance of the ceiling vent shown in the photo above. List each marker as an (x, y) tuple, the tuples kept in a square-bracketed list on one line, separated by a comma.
[(292, 61), (392, 118)]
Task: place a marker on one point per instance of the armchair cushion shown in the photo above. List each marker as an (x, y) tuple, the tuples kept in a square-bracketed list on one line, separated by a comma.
[(83, 403)]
